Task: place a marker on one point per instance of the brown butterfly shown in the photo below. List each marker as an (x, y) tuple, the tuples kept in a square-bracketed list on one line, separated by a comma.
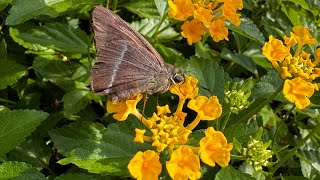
[(126, 63)]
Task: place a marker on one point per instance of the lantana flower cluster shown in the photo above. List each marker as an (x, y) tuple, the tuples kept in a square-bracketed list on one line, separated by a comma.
[(202, 16), (298, 70), (170, 136)]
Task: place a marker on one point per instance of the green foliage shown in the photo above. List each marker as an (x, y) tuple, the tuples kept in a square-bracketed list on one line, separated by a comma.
[(52, 126)]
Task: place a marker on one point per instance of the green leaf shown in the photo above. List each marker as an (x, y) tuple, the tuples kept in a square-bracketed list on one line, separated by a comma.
[(268, 85), (16, 125), (305, 6), (147, 28), (310, 163), (210, 76), (22, 10), (143, 8), (161, 6), (61, 73), (19, 170), (204, 51), (229, 173), (10, 73), (73, 176), (292, 14), (170, 55), (248, 29), (33, 151), (58, 36), (97, 149), (4, 4), (240, 59), (77, 99), (241, 131)]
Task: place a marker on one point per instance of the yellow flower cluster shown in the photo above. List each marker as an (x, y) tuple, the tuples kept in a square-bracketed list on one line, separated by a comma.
[(298, 70), (202, 16), (169, 135)]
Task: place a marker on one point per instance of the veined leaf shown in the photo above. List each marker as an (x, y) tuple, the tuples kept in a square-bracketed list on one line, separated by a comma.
[(229, 173), (143, 8), (19, 170), (59, 36), (16, 125), (10, 73)]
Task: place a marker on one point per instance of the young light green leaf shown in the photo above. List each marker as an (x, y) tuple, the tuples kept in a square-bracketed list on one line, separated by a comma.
[(240, 59), (58, 36), (143, 8), (210, 75), (98, 149), (147, 27), (10, 73), (16, 125), (19, 170), (248, 29), (22, 10), (229, 173)]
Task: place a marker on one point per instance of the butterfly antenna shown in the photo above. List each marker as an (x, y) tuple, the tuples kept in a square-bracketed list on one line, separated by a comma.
[(202, 87)]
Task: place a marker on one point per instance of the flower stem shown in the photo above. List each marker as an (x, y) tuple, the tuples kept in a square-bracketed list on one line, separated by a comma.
[(225, 122), (164, 28), (164, 16), (293, 150), (194, 123)]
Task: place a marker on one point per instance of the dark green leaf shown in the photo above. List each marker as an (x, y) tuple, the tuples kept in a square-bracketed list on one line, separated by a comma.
[(22, 10), (240, 59), (16, 125), (73, 176), (229, 173), (170, 55), (77, 99), (10, 73), (210, 76), (19, 171), (58, 36), (33, 151), (98, 149), (241, 131), (248, 29), (269, 84)]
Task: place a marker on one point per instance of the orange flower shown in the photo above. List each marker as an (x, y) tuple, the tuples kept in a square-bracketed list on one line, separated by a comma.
[(298, 91), (180, 9), (192, 30), (303, 36), (184, 164), (274, 50), (145, 165), (204, 15), (207, 108), (230, 13), (218, 30), (214, 148), (122, 109)]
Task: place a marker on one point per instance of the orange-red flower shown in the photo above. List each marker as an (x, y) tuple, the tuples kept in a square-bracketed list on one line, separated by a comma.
[(180, 9), (218, 30)]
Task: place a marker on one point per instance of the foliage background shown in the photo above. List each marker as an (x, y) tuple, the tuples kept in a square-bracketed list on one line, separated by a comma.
[(51, 124)]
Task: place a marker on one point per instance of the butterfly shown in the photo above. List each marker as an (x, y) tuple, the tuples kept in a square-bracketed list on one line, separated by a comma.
[(126, 62)]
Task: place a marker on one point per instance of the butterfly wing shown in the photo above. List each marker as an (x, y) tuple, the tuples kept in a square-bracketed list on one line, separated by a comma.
[(126, 63)]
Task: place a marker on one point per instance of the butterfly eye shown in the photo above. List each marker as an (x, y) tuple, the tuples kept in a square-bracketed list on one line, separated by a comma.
[(178, 78)]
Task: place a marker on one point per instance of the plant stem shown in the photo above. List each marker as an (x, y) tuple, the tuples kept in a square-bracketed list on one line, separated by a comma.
[(114, 5), (225, 122), (7, 101), (163, 17), (164, 28), (293, 150)]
